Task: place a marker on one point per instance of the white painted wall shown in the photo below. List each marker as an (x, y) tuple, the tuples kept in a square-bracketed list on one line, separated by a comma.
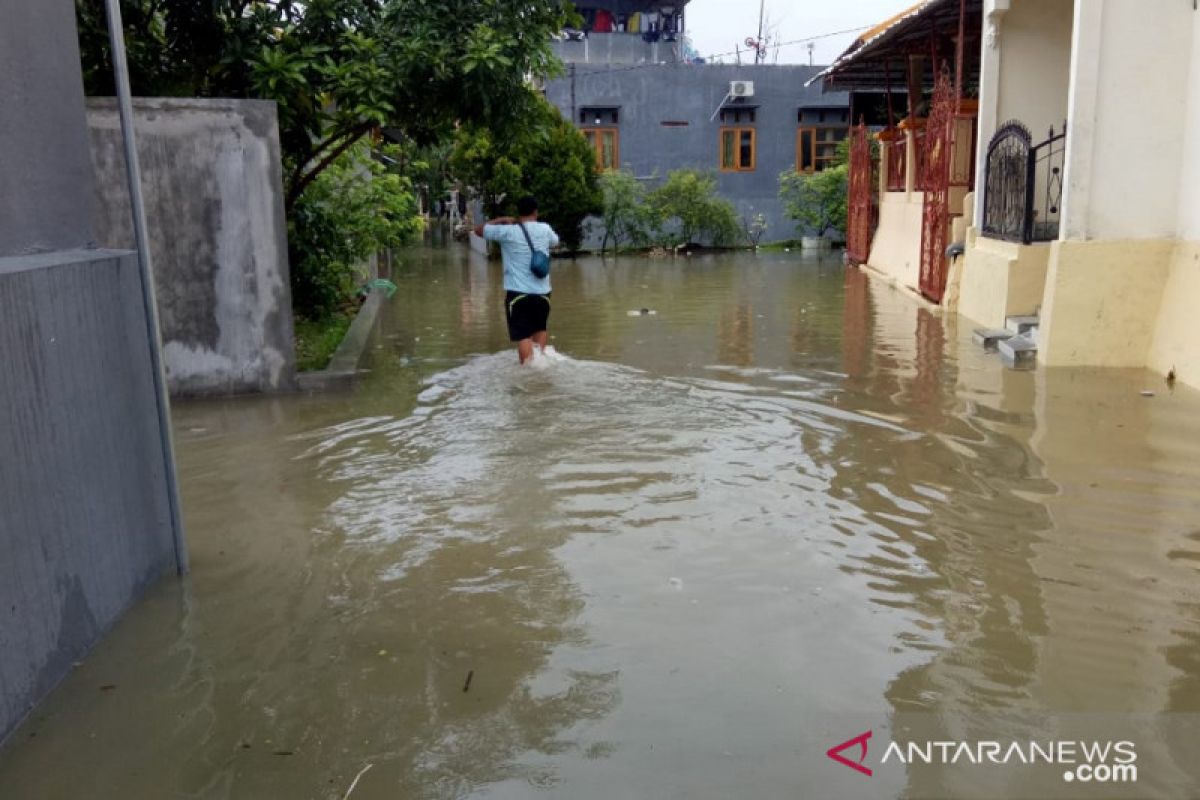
[(1127, 115), (1189, 186), (1026, 70), (1035, 73)]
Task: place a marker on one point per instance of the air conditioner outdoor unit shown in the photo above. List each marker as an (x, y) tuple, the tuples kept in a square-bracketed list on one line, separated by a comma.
[(741, 89)]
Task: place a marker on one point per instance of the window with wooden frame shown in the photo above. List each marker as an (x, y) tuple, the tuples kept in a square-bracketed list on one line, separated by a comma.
[(739, 149), (606, 142), (816, 148)]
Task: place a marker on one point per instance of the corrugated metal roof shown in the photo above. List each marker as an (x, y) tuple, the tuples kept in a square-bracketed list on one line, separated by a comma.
[(913, 23)]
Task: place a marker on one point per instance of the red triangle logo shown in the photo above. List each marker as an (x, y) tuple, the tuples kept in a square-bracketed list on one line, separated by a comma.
[(860, 741)]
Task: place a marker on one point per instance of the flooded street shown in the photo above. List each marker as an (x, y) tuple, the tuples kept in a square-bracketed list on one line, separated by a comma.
[(682, 559)]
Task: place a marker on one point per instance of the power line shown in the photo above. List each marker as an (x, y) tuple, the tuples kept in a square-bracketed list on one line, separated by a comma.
[(777, 46)]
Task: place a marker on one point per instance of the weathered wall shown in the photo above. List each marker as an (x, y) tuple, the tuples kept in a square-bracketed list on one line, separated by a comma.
[(650, 95), (213, 185), (85, 524), (41, 209)]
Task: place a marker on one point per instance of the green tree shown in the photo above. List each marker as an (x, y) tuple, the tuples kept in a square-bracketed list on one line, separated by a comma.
[(336, 68), (541, 154), (686, 209), (817, 202), (626, 216), (352, 210)]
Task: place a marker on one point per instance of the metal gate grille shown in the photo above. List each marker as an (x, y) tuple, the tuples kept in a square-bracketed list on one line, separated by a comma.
[(861, 214), (935, 228)]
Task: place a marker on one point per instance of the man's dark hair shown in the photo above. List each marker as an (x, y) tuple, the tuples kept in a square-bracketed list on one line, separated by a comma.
[(526, 206)]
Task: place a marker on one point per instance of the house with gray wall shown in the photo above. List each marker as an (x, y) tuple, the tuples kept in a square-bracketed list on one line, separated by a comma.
[(648, 108), (654, 118)]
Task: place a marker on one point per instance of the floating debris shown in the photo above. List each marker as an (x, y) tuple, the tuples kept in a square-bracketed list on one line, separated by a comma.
[(467, 685)]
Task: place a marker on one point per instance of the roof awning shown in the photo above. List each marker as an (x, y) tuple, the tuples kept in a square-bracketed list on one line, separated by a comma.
[(927, 27)]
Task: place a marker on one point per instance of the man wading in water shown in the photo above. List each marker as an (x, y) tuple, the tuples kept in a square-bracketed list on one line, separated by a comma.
[(526, 273)]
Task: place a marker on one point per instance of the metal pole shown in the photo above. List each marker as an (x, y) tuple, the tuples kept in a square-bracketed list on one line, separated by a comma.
[(758, 53), (116, 37), (959, 49)]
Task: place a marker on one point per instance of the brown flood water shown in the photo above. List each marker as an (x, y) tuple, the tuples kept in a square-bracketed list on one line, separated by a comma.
[(683, 560)]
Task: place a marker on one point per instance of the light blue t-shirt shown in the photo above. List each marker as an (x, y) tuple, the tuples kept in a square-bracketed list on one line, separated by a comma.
[(517, 276)]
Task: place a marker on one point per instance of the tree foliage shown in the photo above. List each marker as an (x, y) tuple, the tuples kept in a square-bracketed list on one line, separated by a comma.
[(336, 68), (686, 209), (352, 210), (541, 154), (626, 217), (817, 202)]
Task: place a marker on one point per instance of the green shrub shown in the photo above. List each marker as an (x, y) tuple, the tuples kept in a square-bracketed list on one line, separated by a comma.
[(543, 155), (817, 202), (354, 209), (686, 210), (626, 216)]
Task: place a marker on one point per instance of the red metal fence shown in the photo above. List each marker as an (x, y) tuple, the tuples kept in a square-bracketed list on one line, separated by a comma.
[(897, 163), (860, 225), (935, 227)]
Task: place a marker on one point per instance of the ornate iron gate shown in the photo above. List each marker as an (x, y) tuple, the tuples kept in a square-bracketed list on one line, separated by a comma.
[(935, 225), (860, 222)]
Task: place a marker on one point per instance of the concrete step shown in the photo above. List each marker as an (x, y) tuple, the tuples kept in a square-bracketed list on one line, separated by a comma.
[(1019, 352), (989, 338), (1020, 325)]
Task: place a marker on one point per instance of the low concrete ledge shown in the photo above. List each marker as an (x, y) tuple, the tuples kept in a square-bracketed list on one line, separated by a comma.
[(342, 371)]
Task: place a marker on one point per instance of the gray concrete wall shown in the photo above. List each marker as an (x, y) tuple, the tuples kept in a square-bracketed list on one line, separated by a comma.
[(617, 48), (42, 209), (84, 520), (650, 95), (214, 202)]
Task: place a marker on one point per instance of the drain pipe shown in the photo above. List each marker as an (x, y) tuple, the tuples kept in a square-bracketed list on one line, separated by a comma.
[(116, 37)]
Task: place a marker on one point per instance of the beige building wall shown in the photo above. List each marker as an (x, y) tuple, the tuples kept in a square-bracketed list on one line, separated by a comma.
[(1125, 142), (896, 249), (1002, 279), (1177, 335), (1026, 77), (1119, 290), (1035, 65)]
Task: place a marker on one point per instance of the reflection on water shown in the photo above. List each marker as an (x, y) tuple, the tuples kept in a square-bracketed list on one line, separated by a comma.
[(682, 559)]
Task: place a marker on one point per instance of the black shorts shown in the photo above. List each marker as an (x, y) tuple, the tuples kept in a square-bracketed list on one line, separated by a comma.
[(527, 314)]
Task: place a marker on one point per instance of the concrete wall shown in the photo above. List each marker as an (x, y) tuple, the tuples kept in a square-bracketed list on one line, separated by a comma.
[(1128, 118), (1102, 302), (1177, 336), (85, 521), (1002, 279), (45, 209), (1189, 174), (648, 96), (1035, 65), (213, 184), (617, 48), (896, 249), (85, 526)]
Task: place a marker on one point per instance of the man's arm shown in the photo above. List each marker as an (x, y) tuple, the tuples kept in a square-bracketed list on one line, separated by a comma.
[(496, 221)]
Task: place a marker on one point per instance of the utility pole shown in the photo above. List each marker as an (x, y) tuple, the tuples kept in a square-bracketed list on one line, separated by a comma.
[(758, 51)]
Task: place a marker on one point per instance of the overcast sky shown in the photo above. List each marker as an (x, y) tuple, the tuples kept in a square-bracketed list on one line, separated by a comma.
[(716, 26)]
